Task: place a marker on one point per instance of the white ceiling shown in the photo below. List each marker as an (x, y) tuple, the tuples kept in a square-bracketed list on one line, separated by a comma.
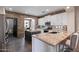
[(34, 10)]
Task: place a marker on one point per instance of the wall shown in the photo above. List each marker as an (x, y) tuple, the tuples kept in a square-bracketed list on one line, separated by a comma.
[(20, 21), (77, 18), (71, 19), (2, 10)]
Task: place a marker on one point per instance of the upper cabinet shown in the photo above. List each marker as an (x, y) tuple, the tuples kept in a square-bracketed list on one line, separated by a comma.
[(58, 19)]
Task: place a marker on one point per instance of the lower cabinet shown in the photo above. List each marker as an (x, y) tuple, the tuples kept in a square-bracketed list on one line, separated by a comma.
[(40, 46), (28, 35)]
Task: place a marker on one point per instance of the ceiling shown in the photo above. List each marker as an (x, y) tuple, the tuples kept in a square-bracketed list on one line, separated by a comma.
[(34, 10)]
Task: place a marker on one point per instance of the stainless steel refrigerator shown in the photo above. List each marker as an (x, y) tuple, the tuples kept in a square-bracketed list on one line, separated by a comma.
[(2, 29)]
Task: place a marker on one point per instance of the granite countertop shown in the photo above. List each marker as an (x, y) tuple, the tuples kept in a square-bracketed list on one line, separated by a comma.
[(52, 39)]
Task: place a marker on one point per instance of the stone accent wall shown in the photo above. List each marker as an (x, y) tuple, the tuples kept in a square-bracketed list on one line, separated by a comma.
[(20, 18)]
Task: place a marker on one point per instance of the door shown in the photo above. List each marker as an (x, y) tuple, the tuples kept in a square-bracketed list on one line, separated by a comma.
[(15, 27)]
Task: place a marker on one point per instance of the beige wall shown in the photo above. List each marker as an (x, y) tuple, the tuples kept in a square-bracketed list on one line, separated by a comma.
[(74, 19), (77, 18), (2, 10), (20, 21), (71, 19)]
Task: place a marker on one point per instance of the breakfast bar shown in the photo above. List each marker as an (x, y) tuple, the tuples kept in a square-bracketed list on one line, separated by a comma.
[(48, 41)]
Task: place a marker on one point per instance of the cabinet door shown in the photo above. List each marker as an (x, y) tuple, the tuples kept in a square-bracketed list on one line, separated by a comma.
[(38, 46)]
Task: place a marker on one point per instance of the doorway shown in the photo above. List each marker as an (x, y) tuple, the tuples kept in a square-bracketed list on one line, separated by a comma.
[(29, 23)]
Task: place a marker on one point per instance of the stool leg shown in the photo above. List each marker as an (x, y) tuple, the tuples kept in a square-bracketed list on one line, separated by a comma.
[(59, 47), (56, 49), (63, 48)]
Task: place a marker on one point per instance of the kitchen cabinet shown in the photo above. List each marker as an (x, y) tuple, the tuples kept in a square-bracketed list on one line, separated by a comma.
[(28, 35), (40, 46)]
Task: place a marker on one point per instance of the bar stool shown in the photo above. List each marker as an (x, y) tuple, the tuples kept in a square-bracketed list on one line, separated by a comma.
[(70, 44)]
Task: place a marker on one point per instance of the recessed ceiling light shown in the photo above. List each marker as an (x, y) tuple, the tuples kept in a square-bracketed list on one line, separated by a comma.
[(67, 7), (26, 12), (43, 11), (10, 9), (47, 9)]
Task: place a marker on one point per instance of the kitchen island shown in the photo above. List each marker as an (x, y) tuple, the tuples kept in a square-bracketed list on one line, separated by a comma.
[(29, 33), (44, 42)]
